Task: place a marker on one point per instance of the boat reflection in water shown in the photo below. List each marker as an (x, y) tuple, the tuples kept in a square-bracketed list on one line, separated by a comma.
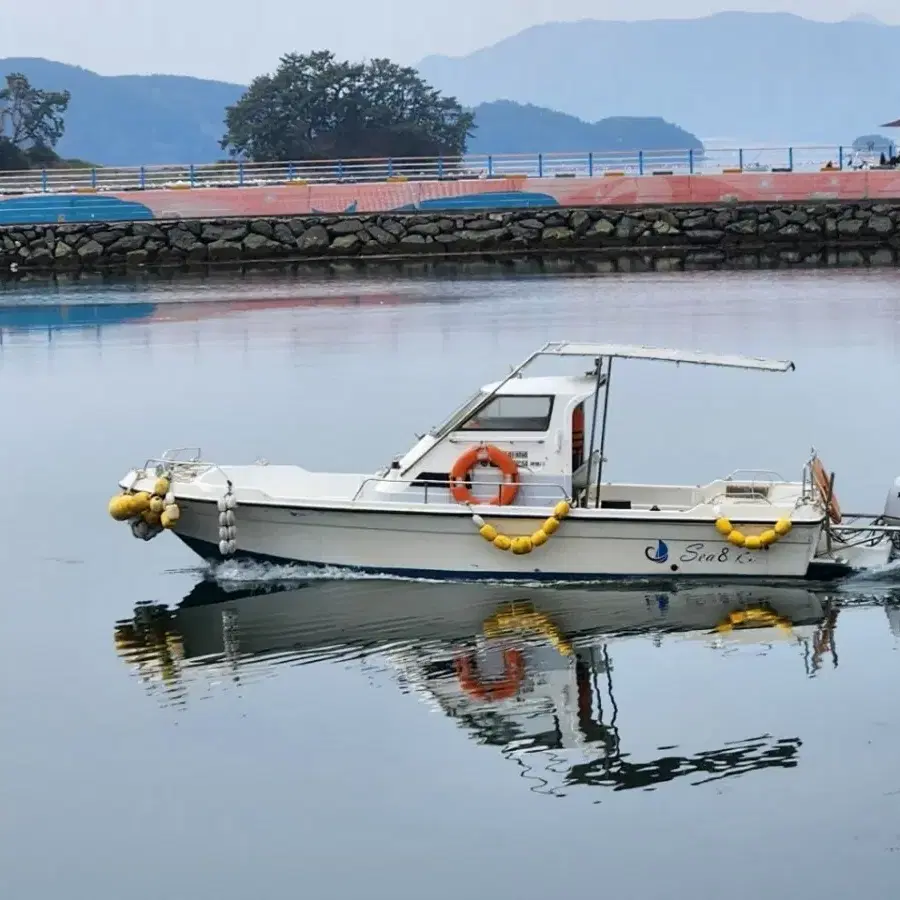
[(529, 671)]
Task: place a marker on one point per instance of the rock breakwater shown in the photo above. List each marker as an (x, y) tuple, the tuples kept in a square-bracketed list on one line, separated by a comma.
[(738, 236)]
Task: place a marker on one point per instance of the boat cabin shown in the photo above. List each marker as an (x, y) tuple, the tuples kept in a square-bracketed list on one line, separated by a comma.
[(538, 422), (546, 433)]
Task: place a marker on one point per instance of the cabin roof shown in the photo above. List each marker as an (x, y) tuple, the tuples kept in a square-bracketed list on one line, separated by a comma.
[(660, 354)]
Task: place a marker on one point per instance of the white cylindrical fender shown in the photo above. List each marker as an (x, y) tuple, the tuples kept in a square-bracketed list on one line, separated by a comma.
[(892, 504)]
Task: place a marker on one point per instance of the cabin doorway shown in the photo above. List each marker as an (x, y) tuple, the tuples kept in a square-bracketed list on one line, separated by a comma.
[(577, 436)]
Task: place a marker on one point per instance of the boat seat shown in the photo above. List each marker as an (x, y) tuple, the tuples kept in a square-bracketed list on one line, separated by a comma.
[(581, 477)]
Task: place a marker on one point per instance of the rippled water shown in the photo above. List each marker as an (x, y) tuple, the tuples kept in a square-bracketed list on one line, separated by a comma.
[(169, 730)]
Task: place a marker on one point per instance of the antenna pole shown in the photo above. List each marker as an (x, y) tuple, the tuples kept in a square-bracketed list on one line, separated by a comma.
[(603, 432), (590, 457)]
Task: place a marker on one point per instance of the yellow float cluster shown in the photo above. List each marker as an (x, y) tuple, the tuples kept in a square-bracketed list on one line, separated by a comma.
[(524, 543), (755, 617), (158, 509), (513, 618), (151, 644), (753, 541)]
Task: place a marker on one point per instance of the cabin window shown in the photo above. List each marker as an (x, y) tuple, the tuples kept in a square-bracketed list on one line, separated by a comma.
[(512, 413)]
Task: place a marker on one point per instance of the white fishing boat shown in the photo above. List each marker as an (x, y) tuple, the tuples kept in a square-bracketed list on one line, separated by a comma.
[(544, 512)]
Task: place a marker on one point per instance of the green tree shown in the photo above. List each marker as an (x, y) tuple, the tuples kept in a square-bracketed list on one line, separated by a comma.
[(317, 107), (31, 122)]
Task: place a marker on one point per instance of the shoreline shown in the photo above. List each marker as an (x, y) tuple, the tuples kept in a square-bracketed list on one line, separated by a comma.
[(602, 239)]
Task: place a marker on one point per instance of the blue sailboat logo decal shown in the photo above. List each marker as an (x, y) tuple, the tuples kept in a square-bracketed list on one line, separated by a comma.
[(657, 554)]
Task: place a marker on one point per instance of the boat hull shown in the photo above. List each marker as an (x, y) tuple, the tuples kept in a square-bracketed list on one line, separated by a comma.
[(446, 545)]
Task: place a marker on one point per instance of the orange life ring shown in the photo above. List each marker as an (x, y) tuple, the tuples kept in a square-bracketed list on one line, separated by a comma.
[(486, 454), (500, 689), (823, 482)]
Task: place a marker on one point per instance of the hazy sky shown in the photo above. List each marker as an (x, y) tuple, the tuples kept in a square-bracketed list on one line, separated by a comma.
[(235, 39)]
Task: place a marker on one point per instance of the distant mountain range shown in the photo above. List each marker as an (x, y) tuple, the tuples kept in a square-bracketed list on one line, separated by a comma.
[(865, 18), (766, 77), (760, 77), (136, 120), (507, 127)]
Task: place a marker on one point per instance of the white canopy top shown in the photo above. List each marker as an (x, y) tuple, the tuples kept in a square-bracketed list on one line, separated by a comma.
[(624, 351)]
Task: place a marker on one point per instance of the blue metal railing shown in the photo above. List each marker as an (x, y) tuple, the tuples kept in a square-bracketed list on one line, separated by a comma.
[(587, 164)]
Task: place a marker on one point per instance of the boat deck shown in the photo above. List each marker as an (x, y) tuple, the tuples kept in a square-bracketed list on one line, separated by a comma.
[(743, 500)]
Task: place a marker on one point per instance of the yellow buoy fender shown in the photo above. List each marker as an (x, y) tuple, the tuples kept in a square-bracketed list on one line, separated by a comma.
[(551, 525), (488, 532), (140, 502), (170, 515), (753, 541), (120, 507), (523, 544)]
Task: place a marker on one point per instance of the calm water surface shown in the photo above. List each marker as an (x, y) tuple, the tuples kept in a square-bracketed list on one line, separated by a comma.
[(255, 731)]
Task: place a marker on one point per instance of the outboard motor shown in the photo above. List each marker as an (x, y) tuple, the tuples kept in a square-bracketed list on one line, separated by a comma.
[(892, 516), (892, 504)]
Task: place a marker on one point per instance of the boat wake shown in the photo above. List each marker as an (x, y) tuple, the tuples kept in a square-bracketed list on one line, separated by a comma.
[(887, 575), (239, 575), (242, 573)]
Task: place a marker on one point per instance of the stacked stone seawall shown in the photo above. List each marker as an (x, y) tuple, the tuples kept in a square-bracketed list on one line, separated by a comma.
[(649, 237)]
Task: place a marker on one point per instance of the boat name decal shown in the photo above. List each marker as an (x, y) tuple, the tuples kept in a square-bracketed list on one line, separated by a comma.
[(718, 554)]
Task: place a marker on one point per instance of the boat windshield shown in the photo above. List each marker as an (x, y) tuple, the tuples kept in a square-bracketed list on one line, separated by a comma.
[(494, 412), (516, 413), (461, 414)]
